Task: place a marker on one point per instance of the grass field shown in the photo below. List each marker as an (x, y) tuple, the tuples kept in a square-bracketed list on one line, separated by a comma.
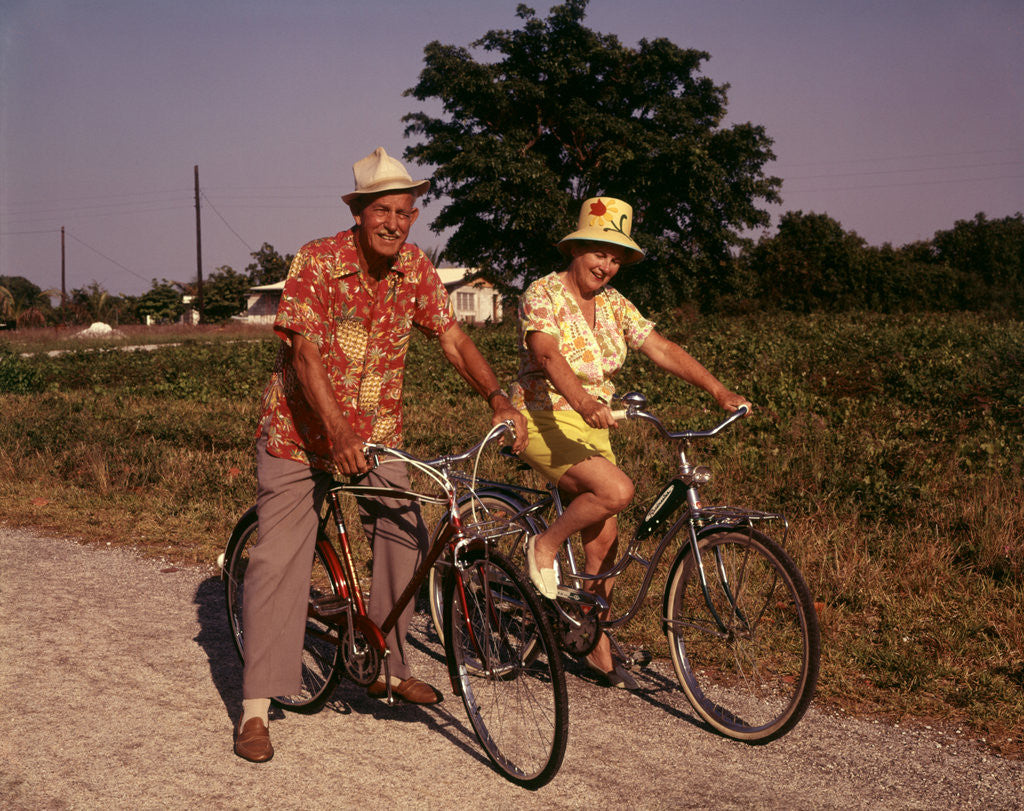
[(892, 443)]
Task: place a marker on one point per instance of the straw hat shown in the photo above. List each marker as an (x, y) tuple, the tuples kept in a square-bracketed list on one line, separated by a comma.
[(605, 219), (379, 172)]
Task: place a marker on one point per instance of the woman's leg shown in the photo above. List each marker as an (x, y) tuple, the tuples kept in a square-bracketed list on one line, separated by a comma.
[(599, 491), (601, 546)]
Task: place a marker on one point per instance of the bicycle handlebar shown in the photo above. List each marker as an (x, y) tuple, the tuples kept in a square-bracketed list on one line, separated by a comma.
[(636, 412), (496, 431)]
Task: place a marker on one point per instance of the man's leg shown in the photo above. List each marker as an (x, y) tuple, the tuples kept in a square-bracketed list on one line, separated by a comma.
[(396, 532), (277, 580)]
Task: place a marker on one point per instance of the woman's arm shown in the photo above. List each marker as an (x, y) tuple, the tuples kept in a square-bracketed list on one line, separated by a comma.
[(544, 349), (674, 359)]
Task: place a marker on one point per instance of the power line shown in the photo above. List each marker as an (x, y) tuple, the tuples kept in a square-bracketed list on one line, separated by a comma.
[(916, 156), (905, 171), (226, 223), (112, 261), (908, 183)]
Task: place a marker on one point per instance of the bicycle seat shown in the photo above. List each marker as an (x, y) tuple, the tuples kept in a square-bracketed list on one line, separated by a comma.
[(506, 451)]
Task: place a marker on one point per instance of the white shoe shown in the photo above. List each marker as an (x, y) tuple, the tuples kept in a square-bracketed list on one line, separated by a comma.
[(544, 580)]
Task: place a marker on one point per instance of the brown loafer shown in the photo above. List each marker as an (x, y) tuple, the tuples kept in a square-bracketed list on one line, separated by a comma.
[(412, 690), (252, 741)]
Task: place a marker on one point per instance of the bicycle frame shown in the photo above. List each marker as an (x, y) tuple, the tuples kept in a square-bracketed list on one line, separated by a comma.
[(340, 561), (681, 493)]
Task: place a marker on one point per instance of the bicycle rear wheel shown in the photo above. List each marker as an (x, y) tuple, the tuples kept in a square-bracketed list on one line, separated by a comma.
[(747, 656), (321, 660), (503, 658)]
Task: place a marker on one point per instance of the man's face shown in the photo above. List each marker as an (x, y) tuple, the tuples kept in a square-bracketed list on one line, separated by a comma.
[(384, 225)]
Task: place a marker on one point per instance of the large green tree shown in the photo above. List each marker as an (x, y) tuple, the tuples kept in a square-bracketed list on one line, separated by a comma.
[(810, 264), (224, 294), (268, 265), (162, 302), (555, 113), (990, 253)]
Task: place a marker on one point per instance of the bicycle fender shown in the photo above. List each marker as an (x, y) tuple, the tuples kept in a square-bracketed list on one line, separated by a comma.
[(684, 552)]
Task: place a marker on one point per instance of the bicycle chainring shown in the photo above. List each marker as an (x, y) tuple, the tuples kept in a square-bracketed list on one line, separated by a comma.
[(359, 656), (577, 640)]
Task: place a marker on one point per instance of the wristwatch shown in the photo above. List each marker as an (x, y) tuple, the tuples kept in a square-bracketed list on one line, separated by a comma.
[(502, 392)]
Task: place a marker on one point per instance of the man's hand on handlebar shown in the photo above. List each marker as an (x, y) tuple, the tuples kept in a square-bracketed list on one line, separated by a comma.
[(349, 454)]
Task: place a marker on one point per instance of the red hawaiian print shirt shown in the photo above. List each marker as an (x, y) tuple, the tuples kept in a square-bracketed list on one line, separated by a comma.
[(362, 336)]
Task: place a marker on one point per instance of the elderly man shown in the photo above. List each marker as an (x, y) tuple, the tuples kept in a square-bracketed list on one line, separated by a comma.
[(348, 306)]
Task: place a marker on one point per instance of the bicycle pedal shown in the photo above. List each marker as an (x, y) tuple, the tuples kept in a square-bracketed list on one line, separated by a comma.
[(581, 597), (641, 658), (330, 606)]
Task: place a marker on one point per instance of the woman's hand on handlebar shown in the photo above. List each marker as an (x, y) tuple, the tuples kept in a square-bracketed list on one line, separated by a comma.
[(597, 414), (730, 401)]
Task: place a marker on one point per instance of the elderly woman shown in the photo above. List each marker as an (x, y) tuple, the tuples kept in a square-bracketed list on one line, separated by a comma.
[(574, 334)]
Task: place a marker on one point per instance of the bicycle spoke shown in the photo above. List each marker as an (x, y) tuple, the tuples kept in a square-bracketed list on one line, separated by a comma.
[(505, 660), (746, 650)]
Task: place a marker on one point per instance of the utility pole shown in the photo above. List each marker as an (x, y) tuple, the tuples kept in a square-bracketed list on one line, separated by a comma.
[(199, 252), (63, 286)]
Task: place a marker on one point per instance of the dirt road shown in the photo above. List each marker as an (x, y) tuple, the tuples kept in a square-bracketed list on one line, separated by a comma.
[(120, 685)]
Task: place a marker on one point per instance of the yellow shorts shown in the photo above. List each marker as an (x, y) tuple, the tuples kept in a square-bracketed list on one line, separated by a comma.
[(560, 439)]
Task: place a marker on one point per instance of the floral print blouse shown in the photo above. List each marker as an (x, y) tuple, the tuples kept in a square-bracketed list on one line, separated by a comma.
[(362, 335), (593, 354)]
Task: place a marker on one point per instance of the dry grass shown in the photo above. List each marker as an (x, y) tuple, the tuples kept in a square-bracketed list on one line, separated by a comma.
[(906, 522)]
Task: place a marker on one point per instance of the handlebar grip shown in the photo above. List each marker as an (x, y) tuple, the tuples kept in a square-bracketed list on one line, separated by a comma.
[(620, 414)]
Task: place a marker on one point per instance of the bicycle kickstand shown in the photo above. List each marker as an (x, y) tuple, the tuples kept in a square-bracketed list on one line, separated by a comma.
[(641, 658), (389, 697)]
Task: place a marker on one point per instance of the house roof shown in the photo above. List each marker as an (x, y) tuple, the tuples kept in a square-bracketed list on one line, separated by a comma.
[(453, 277)]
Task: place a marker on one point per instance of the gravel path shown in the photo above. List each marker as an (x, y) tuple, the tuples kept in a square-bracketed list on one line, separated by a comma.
[(120, 686)]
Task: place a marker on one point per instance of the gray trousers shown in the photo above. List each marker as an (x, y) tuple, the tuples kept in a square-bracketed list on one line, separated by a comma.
[(288, 500)]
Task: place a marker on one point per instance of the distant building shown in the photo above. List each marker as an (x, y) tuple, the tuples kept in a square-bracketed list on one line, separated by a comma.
[(261, 306), (476, 300)]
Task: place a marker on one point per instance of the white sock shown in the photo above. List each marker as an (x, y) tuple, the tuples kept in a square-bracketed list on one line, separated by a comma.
[(255, 708)]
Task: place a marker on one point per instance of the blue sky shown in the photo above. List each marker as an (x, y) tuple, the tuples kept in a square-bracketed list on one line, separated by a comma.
[(896, 118)]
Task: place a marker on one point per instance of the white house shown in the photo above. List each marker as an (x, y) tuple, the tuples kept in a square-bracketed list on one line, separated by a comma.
[(475, 300), (261, 306)]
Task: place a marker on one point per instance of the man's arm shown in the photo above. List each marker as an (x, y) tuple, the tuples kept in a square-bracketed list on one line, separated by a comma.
[(462, 353), (346, 446)]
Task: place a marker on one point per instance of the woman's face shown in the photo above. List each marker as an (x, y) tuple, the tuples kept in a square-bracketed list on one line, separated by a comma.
[(594, 264)]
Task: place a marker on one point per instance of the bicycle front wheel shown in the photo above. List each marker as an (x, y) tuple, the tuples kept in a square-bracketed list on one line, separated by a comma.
[(321, 659), (492, 514), (503, 658), (746, 653)]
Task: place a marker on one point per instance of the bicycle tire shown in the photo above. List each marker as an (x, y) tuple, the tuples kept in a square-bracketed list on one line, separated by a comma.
[(515, 698), (499, 507), (321, 657), (752, 677)]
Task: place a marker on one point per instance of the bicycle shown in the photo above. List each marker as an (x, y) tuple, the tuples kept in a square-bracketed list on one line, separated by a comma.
[(742, 629), (500, 649)]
